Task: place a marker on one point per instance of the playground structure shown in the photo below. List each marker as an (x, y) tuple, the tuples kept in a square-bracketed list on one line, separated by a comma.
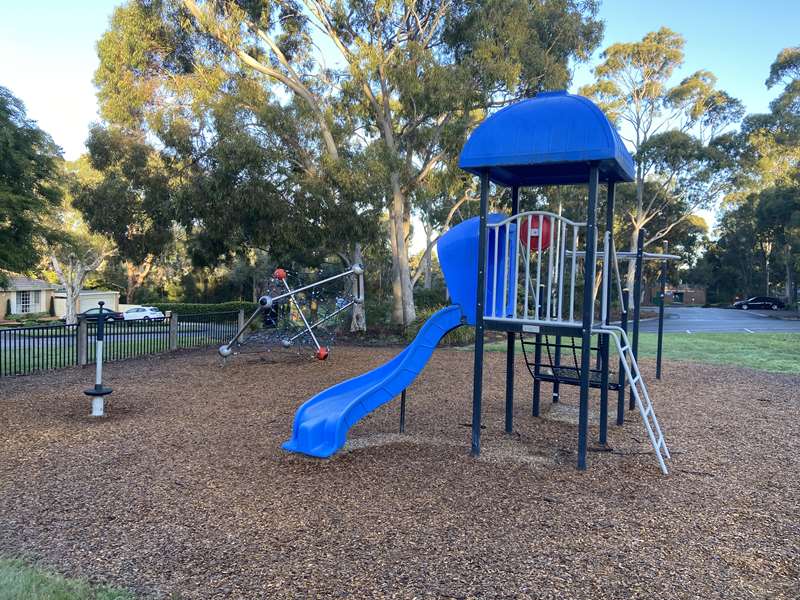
[(284, 313), (531, 273)]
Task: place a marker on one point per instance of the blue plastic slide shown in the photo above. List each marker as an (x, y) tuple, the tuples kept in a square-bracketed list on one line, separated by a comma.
[(321, 424)]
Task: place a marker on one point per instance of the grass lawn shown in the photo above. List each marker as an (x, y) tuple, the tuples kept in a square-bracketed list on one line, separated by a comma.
[(773, 352), (19, 581)]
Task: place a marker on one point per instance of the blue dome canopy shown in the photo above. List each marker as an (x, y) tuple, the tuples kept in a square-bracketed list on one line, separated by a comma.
[(549, 139)]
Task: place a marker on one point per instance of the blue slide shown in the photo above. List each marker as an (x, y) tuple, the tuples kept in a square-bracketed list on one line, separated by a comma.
[(321, 424)]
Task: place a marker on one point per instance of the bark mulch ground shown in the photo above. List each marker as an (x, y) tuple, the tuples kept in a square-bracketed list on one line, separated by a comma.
[(183, 492)]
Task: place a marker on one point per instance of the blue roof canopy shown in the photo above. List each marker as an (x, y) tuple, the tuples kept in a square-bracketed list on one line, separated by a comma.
[(550, 139)]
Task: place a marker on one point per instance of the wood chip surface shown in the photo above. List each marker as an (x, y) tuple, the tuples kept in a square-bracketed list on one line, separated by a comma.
[(183, 490)]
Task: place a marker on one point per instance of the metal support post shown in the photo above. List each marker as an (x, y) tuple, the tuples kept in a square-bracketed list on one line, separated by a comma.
[(621, 375), (511, 336), (588, 314), (637, 302), (661, 298), (556, 364), (403, 411), (477, 380), (537, 384)]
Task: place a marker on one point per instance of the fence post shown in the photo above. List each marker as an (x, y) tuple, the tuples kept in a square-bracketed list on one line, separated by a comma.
[(82, 333), (240, 324), (173, 330)]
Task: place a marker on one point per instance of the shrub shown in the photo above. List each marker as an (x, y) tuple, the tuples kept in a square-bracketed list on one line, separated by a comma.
[(427, 299), (52, 309), (188, 308), (8, 308), (461, 336)]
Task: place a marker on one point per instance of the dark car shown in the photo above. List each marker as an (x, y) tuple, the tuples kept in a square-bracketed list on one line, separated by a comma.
[(759, 302), (109, 315)]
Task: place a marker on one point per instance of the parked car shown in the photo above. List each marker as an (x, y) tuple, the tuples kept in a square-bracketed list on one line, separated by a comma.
[(760, 302), (93, 313), (143, 313)]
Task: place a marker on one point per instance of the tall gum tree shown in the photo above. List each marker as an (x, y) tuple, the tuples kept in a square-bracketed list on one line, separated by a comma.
[(676, 131), (412, 76)]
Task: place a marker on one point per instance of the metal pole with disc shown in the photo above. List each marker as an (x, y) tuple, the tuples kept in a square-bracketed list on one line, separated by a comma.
[(98, 392)]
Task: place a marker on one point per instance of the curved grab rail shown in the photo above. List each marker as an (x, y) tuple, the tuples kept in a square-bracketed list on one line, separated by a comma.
[(543, 213)]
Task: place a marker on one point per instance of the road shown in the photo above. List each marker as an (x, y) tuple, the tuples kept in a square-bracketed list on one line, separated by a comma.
[(709, 320)]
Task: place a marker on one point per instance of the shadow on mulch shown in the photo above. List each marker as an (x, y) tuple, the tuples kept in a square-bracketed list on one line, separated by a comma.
[(183, 490)]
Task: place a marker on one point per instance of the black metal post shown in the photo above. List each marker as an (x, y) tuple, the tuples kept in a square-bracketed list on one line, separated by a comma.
[(477, 380), (511, 341), (604, 341), (637, 301), (588, 314), (661, 298), (556, 364), (602, 351), (637, 292), (621, 375), (537, 384), (403, 411)]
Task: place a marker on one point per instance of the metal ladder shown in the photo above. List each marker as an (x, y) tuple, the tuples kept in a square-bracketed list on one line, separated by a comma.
[(639, 391)]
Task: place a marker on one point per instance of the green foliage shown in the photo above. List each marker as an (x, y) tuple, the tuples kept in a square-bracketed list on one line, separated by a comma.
[(29, 169), (19, 581), (131, 201), (427, 299), (459, 336), (272, 149), (188, 308)]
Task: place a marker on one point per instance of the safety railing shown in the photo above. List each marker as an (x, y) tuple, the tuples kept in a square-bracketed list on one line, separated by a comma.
[(532, 268)]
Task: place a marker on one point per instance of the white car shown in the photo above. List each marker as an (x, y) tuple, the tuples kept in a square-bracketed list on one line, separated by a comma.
[(143, 313)]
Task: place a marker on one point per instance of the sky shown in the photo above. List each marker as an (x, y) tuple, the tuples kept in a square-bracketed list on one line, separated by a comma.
[(48, 50)]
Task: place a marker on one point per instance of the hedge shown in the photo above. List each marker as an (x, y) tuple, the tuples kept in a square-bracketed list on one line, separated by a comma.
[(188, 308)]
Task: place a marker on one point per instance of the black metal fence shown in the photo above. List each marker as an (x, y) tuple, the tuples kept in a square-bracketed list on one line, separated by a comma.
[(26, 350), (206, 329)]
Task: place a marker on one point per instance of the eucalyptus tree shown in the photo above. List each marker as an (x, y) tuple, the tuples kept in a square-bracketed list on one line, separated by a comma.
[(402, 79), (129, 202), (72, 252), (29, 185), (679, 131)]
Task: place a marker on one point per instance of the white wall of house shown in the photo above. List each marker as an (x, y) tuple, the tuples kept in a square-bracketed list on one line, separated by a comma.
[(29, 301), (87, 299)]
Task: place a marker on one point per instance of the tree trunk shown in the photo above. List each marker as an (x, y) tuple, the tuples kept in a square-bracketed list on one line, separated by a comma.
[(791, 287), (136, 277), (403, 269), (397, 290), (427, 265), (359, 318)]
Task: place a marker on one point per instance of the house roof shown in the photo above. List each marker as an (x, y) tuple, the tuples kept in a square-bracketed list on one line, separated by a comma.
[(20, 283), (550, 139)]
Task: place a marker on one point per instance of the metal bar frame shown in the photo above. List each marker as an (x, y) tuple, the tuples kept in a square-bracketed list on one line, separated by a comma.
[(588, 314), (511, 337), (477, 379), (661, 299)]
